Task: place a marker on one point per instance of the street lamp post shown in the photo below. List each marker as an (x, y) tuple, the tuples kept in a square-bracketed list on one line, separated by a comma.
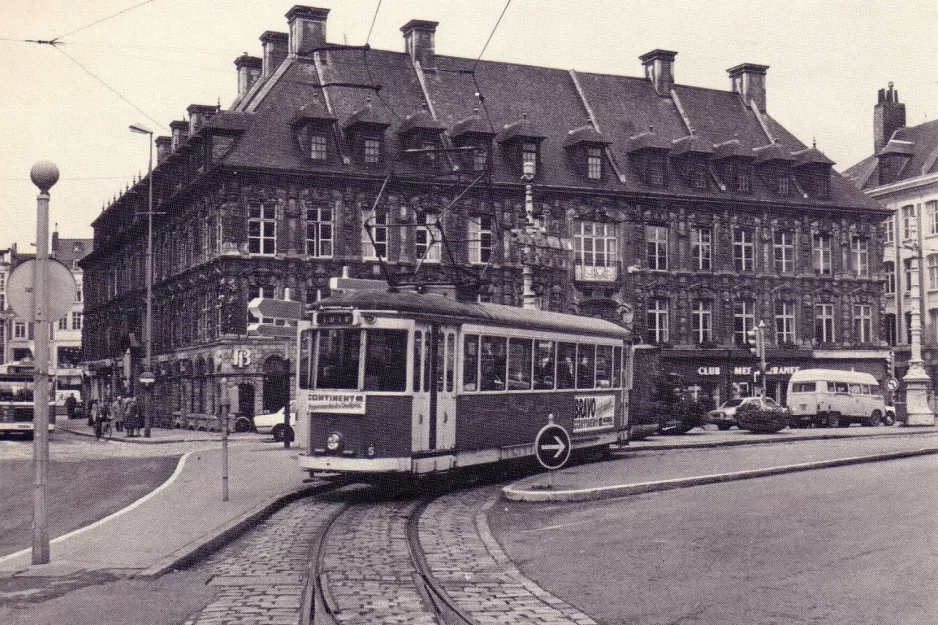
[(147, 378), (529, 297)]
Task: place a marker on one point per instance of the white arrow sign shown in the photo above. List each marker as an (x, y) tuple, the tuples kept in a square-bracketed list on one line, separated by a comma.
[(559, 447)]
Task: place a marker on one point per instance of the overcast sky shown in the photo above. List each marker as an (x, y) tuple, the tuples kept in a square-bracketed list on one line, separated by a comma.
[(827, 60)]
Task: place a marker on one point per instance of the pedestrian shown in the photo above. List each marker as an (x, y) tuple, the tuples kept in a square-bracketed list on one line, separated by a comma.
[(104, 415), (117, 413), (92, 409), (132, 416), (70, 404)]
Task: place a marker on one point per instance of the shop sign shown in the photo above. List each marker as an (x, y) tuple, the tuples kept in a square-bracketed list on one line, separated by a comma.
[(782, 370), (341, 403), (593, 412), (708, 371)]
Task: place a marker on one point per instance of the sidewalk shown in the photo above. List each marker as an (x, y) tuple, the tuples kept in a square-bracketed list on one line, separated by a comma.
[(706, 457), (181, 519), (157, 435)]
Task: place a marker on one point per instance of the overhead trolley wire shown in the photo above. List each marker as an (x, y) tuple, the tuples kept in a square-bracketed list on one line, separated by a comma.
[(103, 19)]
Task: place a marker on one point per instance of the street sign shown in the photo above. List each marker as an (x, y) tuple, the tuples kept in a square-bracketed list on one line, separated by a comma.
[(60, 288), (357, 284), (892, 384), (270, 329), (267, 308), (552, 446)]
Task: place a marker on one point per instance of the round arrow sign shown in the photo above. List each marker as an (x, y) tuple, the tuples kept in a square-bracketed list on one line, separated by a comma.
[(552, 446)]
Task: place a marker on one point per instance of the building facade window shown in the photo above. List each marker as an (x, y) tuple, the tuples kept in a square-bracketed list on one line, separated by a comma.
[(63, 323), (480, 239), (656, 246), (375, 235), (657, 321), (19, 330), (784, 322), (318, 146), (909, 223), (824, 323), (931, 214), (595, 244), (702, 248), (743, 184), (821, 253), (76, 320), (480, 158), (319, 231), (3, 291), (890, 231), (889, 271), (427, 238), (892, 330), (529, 155), (594, 163), (744, 320), (932, 272), (783, 185), (783, 250), (702, 320), (861, 256), (907, 265), (698, 178), (371, 150), (743, 250), (262, 228), (862, 323)]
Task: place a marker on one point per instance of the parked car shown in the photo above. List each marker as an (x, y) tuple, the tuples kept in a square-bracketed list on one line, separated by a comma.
[(272, 423), (763, 416), (832, 398), (724, 417)]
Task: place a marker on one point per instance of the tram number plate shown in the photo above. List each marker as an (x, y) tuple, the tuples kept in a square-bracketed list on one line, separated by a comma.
[(334, 318), (594, 412)]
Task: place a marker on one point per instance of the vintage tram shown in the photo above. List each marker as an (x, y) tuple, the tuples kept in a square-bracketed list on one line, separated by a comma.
[(405, 383)]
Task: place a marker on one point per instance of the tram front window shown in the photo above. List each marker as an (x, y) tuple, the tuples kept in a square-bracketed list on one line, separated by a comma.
[(385, 353), (338, 356)]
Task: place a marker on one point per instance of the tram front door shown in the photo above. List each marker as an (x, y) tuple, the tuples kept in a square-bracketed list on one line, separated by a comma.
[(434, 383)]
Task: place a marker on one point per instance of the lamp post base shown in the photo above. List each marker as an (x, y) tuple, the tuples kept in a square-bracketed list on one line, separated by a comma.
[(918, 411)]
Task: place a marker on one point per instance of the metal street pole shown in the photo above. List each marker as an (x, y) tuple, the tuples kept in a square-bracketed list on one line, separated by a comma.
[(44, 174), (148, 323), (528, 297)]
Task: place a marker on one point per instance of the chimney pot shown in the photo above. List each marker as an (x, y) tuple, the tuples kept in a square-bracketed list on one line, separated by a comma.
[(888, 117), (180, 130), (659, 69), (307, 29), (275, 47), (249, 70), (419, 41), (164, 147), (198, 115), (748, 80)]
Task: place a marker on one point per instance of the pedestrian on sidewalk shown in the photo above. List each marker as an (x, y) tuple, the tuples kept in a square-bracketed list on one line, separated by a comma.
[(132, 419), (117, 413), (94, 411), (70, 404), (104, 415)]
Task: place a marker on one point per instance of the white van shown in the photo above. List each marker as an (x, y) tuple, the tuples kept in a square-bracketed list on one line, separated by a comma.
[(832, 398)]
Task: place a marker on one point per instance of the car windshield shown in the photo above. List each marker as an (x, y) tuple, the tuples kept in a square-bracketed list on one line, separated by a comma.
[(769, 401), (732, 403)]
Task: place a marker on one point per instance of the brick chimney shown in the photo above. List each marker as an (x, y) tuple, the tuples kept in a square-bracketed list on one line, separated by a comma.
[(888, 117), (659, 69), (249, 70), (419, 41), (307, 29), (748, 80), (180, 131), (275, 51), (164, 147), (198, 115)]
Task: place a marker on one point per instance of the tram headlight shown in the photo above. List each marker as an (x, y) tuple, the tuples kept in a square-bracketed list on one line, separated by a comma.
[(334, 442)]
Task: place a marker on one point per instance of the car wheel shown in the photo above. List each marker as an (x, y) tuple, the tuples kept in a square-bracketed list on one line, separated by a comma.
[(889, 419), (242, 424), (875, 420), (278, 432), (833, 420)]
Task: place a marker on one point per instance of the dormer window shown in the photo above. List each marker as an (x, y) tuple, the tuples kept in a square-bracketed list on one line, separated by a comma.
[(522, 143), (420, 137), (594, 163), (318, 146), (813, 170), (655, 169), (698, 178), (743, 184), (371, 150), (783, 185), (529, 155), (365, 128), (648, 153), (585, 146), (475, 138)]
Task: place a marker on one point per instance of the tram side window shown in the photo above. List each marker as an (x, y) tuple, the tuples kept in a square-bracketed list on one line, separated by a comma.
[(604, 366), (470, 364), (450, 361), (586, 366), (494, 363), (306, 352), (519, 364), (566, 364), (385, 350), (617, 367), (545, 365), (339, 353), (418, 358)]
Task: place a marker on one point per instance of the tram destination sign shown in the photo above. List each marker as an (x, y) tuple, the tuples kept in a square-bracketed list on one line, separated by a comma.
[(552, 446)]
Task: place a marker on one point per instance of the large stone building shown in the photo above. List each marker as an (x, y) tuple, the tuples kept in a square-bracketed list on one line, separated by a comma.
[(902, 174), (688, 212)]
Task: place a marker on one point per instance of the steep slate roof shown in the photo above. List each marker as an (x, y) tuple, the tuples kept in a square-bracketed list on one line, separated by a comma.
[(549, 98), (918, 143)]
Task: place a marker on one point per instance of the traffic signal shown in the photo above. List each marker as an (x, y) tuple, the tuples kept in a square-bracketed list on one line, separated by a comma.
[(752, 340)]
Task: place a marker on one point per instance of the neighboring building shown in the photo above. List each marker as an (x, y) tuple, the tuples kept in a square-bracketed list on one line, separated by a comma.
[(902, 174), (65, 344), (6, 264), (688, 212)]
